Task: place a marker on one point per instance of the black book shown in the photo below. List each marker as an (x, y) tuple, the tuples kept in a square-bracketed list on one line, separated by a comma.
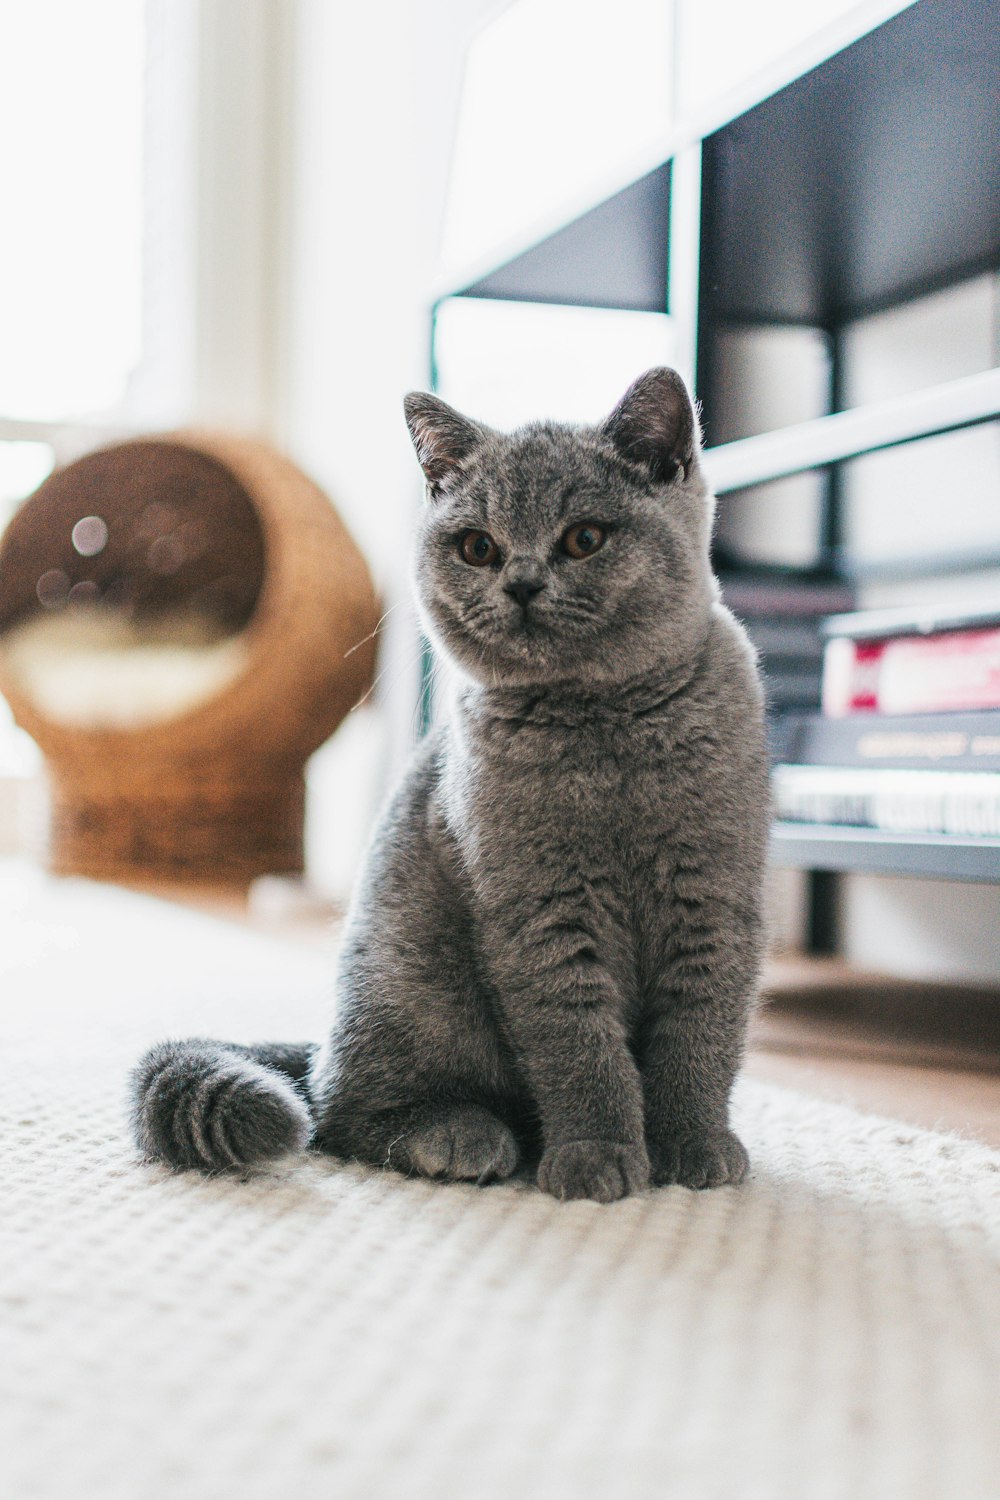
[(912, 742)]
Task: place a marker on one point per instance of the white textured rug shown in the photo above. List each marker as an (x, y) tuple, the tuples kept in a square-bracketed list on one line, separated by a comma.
[(830, 1330)]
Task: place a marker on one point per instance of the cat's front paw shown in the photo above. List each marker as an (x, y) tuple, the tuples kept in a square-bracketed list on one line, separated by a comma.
[(462, 1144), (707, 1160), (602, 1170)]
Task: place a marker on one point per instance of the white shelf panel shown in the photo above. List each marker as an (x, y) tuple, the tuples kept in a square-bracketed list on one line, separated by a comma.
[(884, 424), (823, 846)]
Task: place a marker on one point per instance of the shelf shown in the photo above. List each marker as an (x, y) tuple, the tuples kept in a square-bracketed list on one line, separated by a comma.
[(615, 256), (688, 130), (864, 183), (884, 424), (821, 846)]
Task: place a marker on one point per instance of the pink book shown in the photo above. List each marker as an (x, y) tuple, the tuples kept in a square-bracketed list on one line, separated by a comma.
[(909, 674)]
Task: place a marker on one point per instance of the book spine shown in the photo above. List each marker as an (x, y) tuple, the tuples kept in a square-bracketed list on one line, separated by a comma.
[(912, 674), (956, 802), (954, 742)]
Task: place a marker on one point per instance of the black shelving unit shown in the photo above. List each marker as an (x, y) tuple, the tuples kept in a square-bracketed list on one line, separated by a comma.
[(870, 178), (869, 182)]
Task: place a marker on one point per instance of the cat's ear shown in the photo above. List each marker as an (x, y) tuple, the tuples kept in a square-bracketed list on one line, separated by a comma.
[(441, 436), (654, 425)]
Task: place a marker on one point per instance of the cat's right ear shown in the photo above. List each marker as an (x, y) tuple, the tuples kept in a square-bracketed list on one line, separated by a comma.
[(441, 436), (654, 425)]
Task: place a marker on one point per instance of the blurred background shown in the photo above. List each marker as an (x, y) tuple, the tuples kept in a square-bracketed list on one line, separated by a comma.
[(228, 213), (274, 217)]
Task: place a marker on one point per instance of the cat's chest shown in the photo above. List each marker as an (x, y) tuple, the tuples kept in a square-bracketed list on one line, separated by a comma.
[(604, 795)]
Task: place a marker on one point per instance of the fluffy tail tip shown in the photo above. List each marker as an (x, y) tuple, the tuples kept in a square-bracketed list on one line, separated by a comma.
[(194, 1104)]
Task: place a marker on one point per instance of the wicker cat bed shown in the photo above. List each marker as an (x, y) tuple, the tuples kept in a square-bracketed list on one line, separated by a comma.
[(225, 545)]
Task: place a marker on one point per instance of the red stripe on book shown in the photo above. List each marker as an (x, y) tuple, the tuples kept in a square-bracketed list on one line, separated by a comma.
[(956, 670)]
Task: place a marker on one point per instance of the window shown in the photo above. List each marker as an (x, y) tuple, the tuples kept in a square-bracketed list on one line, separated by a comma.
[(79, 313), (71, 123)]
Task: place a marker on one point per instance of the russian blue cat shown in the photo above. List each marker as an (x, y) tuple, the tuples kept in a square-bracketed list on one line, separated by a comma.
[(553, 949)]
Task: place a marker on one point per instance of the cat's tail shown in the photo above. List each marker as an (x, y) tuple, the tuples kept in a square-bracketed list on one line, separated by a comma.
[(218, 1105)]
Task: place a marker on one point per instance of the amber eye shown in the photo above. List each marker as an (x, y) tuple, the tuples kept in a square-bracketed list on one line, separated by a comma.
[(584, 539), (478, 548)]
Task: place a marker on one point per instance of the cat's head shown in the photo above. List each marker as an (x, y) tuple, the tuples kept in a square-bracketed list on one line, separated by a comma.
[(565, 554)]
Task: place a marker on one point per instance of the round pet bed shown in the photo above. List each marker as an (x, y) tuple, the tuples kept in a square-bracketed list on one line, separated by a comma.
[(183, 621)]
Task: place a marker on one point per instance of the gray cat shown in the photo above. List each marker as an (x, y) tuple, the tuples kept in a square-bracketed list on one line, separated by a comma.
[(554, 946)]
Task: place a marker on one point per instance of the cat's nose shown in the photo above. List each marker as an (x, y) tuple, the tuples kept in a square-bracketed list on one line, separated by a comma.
[(523, 590)]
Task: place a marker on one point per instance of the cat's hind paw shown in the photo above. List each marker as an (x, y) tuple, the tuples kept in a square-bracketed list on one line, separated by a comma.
[(601, 1170), (461, 1144), (707, 1160)]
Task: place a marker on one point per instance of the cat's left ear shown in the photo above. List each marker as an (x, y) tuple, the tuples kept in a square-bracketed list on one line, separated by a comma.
[(441, 436), (654, 425)]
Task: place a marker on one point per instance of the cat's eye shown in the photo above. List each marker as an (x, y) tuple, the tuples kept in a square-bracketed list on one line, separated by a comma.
[(584, 539), (478, 548)]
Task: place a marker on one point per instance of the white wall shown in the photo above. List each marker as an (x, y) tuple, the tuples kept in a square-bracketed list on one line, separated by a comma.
[(373, 94), (922, 929)]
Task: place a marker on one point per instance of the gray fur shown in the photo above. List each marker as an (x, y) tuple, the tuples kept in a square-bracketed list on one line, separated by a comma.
[(214, 1105), (554, 946)]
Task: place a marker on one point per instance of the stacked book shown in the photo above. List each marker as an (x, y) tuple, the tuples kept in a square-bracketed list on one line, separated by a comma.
[(908, 739)]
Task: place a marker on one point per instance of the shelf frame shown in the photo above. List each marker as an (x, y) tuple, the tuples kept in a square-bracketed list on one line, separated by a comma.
[(848, 434), (872, 851)]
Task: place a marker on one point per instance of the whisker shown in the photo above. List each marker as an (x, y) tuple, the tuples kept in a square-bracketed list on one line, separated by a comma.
[(401, 668), (365, 639)]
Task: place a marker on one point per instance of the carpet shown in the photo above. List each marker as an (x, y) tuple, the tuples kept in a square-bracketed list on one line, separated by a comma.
[(830, 1330)]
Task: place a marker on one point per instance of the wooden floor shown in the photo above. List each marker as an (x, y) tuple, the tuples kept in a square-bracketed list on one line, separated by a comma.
[(927, 1054)]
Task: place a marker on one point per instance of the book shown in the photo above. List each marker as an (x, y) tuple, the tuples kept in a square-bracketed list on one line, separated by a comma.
[(926, 619), (936, 672), (898, 801), (958, 742)]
